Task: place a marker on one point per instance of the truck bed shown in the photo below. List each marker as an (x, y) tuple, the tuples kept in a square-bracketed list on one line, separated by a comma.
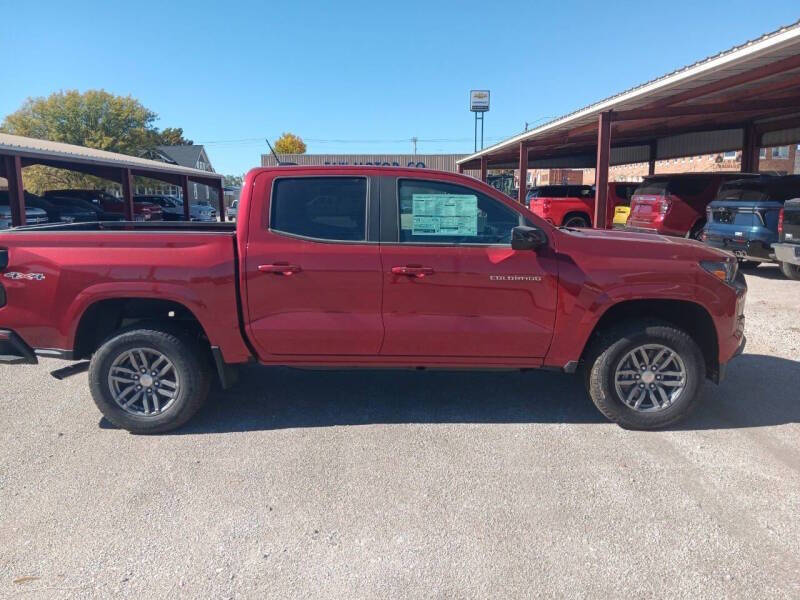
[(56, 273)]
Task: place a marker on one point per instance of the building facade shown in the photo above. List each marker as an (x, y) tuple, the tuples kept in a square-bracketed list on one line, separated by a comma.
[(190, 155)]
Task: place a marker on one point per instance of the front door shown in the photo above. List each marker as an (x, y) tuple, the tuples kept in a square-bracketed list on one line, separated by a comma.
[(452, 285), (313, 268)]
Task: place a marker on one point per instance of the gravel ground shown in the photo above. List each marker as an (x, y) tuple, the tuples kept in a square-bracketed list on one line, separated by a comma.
[(381, 484)]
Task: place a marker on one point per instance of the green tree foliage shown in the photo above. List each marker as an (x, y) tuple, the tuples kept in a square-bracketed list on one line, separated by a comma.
[(290, 143), (233, 180), (95, 119), (173, 136)]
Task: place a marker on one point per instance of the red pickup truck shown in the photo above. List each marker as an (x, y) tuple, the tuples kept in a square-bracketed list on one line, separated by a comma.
[(368, 267), (573, 205)]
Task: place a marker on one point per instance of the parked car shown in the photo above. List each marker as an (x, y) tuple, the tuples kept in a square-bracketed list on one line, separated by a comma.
[(97, 211), (744, 217), (110, 203), (173, 208), (787, 250), (619, 201), (33, 216), (676, 204), (60, 213), (233, 210), (573, 205), (567, 205), (453, 274)]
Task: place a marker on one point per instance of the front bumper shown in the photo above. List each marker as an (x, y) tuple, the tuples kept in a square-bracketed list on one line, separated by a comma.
[(14, 350), (724, 366), (787, 253)]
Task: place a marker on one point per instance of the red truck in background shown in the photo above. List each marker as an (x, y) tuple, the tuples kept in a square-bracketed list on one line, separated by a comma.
[(675, 204), (573, 205), (368, 267)]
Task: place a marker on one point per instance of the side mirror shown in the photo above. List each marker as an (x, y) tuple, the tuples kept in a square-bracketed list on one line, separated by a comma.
[(527, 238)]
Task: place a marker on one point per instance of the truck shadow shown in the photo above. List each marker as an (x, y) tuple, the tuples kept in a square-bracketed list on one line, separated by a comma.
[(765, 271), (759, 391)]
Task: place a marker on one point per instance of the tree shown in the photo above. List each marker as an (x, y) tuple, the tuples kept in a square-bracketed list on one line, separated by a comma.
[(173, 136), (290, 143), (233, 180), (95, 119)]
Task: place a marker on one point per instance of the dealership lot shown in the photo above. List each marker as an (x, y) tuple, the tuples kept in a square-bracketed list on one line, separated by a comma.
[(396, 484)]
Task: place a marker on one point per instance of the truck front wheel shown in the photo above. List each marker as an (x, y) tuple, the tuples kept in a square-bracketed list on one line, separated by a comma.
[(644, 374), (148, 380)]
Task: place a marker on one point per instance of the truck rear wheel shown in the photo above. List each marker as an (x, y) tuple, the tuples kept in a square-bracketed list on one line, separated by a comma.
[(791, 271), (645, 374), (149, 380), (576, 220)]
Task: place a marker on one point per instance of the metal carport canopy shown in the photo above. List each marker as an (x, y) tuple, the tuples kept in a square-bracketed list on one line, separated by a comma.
[(17, 152), (738, 99)]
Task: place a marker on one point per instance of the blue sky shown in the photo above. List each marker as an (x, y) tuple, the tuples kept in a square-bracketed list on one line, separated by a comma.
[(355, 76)]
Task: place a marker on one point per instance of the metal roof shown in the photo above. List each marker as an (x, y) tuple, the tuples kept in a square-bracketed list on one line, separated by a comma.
[(58, 151), (769, 53)]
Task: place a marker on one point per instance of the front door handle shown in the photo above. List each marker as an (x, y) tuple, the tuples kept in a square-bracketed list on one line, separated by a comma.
[(280, 269), (413, 271)]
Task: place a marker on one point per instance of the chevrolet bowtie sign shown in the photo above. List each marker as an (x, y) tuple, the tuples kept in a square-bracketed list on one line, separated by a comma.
[(479, 100)]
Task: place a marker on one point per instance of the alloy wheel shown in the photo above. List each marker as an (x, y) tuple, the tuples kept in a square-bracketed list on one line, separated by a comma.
[(650, 378), (143, 382)]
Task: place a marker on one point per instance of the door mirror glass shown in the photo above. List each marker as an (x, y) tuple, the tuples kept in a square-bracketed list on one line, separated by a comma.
[(527, 238)]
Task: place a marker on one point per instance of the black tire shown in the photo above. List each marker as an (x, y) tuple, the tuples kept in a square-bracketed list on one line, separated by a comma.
[(191, 366), (576, 220), (791, 271), (696, 232), (610, 348)]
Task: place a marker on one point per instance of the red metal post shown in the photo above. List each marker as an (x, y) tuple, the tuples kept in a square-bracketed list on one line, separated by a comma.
[(601, 171), (523, 173), (750, 146), (127, 193), (221, 200), (651, 167), (16, 191), (185, 187), (484, 168)]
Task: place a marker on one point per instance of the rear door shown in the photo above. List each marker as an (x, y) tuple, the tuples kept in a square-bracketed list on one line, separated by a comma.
[(313, 267), (452, 285)]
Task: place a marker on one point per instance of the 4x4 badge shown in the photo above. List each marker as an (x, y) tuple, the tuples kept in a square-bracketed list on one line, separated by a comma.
[(28, 276)]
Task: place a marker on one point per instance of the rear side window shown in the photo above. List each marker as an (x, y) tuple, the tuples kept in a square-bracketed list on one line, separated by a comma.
[(443, 213), (652, 188), (689, 186), (326, 208)]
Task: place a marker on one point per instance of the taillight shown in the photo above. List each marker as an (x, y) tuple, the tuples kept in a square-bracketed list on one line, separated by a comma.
[(664, 206), (780, 222)]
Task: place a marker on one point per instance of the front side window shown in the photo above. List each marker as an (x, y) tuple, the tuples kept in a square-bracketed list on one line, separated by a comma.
[(326, 208), (442, 213)]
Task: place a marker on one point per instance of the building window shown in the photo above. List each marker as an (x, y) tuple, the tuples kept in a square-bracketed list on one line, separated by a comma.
[(780, 152), (194, 190), (208, 193), (762, 153), (730, 155)]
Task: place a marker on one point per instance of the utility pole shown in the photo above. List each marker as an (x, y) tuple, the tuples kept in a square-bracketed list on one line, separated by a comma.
[(414, 141)]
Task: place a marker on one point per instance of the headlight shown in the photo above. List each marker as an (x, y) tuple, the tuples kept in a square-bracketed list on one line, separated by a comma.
[(67, 219), (724, 270)]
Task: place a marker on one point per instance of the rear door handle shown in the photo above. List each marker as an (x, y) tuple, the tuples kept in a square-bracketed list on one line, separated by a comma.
[(280, 269), (413, 271)]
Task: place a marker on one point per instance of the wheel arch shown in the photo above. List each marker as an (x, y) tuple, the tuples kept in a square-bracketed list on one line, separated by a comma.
[(577, 213), (103, 317), (689, 316)]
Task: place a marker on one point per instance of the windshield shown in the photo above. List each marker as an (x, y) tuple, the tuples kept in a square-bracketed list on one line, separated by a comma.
[(754, 191)]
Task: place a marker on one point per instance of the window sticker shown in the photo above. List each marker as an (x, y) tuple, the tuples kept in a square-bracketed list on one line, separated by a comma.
[(444, 214)]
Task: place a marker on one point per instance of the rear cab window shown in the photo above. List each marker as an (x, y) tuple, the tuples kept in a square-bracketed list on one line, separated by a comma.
[(321, 208), (433, 212)]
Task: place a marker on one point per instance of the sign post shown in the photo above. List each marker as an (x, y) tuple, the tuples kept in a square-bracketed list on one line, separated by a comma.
[(479, 104)]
